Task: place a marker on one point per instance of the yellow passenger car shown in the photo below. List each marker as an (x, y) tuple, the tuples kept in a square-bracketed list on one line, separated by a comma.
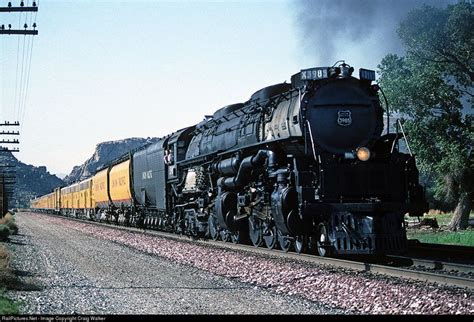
[(57, 199), (67, 196), (46, 202), (36, 203), (119, 180), (100, 196), (51, 202), (84, 195)]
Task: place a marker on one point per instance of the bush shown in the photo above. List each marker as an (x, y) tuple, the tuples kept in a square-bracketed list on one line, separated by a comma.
[(13, 227), (7, 218), (4, 257), (9, 221), (4, 232)]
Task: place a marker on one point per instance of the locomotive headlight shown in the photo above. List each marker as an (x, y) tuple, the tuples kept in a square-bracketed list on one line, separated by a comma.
[(363, 154)]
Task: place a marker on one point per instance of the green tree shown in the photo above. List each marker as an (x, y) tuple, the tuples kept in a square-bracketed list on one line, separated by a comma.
[(428, 87)]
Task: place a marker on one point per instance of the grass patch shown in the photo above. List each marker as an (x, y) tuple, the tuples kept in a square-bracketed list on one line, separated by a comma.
[(8, 280), (465, 237), (441, 235), (7, 306)]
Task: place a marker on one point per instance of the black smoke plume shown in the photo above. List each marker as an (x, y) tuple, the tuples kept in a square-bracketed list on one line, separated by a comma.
[(360, 31)]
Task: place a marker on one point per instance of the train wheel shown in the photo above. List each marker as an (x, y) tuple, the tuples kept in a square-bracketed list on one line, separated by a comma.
[(269, 235), (235, 237), (255, 231), (283, 241), (301, 243), (224, 235), (213, 229), (321, 242)]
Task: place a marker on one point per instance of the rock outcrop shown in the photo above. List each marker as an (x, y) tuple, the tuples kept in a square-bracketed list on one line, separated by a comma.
[(103, 154)]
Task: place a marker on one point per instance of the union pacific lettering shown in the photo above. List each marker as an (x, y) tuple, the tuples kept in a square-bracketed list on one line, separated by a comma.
[(99, 186), (119, 182)]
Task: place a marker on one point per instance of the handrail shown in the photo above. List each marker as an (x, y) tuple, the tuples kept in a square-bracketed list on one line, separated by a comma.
[(404, 136)]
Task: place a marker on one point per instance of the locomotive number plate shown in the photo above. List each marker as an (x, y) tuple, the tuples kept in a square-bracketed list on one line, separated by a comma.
[(314, 73)]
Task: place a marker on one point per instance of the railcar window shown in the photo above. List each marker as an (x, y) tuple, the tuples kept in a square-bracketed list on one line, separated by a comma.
[(181, 153), (249, 129)]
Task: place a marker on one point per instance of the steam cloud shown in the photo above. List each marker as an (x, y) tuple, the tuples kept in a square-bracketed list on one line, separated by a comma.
[(361, 32)]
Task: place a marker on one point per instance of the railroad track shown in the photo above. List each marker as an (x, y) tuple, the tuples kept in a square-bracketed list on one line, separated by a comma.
[(434, 264), (358, 265)]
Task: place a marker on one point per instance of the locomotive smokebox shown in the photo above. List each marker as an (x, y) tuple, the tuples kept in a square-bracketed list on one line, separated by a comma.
[(342, 116)]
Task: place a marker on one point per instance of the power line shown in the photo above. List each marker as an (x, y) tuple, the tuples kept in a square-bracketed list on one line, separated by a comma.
[(17, 61), (27, 82)]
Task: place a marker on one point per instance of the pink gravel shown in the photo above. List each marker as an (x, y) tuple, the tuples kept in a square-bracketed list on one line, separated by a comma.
[(353, 291)]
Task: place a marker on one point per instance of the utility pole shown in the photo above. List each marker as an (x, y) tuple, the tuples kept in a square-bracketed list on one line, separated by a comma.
[(7, 170)]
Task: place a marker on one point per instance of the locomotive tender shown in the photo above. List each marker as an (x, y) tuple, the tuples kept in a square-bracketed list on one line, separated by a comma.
[(301, 165)]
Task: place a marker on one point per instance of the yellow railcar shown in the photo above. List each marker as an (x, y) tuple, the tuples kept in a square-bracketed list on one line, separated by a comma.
[(45, 202), (76, 199), (67, 196), (84, 195), (35, 203), (100, 195), (119, 184), (57, 199), (50, 201)]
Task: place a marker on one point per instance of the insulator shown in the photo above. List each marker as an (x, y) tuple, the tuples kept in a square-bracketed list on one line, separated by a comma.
[(9, 4), (34, 25), (25, 25), (34, 4), (22, 4), (9, 26)]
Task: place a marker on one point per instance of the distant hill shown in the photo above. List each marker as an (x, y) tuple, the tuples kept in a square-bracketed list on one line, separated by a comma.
[(103, 154), (31, 181)]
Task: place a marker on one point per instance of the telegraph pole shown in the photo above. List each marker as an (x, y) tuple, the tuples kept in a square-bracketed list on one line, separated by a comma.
[(8, 171)]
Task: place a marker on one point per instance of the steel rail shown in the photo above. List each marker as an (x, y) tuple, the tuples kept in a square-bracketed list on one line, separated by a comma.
[(444, 279), (435, 264)]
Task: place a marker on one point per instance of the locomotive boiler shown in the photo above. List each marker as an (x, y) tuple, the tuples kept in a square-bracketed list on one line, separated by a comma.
[(301, 164)]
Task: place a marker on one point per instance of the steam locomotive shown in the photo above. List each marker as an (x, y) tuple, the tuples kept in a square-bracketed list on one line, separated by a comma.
[(300, 165)]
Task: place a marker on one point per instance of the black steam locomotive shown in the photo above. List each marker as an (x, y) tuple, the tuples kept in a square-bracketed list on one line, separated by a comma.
[(301, 164)]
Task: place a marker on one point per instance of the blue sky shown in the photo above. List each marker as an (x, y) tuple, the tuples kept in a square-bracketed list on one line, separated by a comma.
[(109, 70)]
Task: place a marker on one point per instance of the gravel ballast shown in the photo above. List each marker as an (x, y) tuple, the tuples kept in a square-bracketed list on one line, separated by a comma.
[(341, 290), (79, 270)]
